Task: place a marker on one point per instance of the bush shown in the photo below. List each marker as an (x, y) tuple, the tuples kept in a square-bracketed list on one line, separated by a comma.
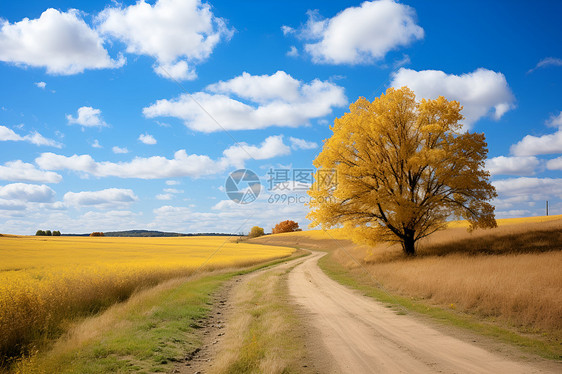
[(97, 234), (286, 226), (40, 233), (56, 233), (48, 233), (255, 232)]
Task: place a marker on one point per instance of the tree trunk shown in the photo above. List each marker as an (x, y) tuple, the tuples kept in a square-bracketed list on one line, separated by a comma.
[(408, 243)]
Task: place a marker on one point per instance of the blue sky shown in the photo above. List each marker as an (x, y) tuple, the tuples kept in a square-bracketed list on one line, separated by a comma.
[(131, 115)]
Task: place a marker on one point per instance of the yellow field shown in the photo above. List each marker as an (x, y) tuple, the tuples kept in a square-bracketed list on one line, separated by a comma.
[(340, 234), (47, 281)]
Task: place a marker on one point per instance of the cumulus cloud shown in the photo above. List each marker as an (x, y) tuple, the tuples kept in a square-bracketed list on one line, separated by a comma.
[(118, 150), (61, 42), (109, 197), (555, 120), (27, 192), (554, 164), (177, 33), (252, 102), (545, 62), (482, 92), (96, 144), (19, 171), (147, 139), (41, 84), (272, 146), (182, 165), (293, 51), (302, 144), (538, 145), (7, 134), (530, 188), (87, 117), (360, 34), (512, 165)]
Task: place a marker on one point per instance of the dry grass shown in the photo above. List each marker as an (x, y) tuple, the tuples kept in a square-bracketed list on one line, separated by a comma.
[(511, 274), (45, 283), (262, 335)]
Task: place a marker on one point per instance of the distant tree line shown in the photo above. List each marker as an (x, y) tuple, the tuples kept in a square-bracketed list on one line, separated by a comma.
[(47, 233)]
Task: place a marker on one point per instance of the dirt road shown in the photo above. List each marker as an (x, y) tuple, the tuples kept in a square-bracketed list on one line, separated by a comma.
[(363, 336)]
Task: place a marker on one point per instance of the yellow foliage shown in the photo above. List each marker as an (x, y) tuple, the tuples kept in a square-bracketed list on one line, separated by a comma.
[(47, 280), (395, 169)]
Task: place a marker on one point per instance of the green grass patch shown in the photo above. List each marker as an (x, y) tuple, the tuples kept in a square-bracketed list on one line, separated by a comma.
[(364, 283)]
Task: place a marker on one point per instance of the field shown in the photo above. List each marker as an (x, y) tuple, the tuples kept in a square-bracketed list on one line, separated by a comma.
[(509, 275), (45, 283)]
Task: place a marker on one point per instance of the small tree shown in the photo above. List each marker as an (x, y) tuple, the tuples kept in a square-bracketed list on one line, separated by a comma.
[(255, 232), (40, 233), (56, 233), (48, 233), (402, 167), (286, 226)]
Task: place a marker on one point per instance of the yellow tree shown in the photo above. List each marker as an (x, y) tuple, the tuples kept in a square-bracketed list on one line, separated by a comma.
[(395, 169)]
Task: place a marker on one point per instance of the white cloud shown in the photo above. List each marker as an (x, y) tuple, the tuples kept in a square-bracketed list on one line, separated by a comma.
[(109, 197), (302, 144), (530, 188), (27, 192), (87, 117), (147, 139), (19, 171), (554, 164), (41, 84), (548, 61), (177, 33), (512, 165), (293, 51), (538, 145), (172, 190), (182, 165), (96, 144), (11, 205), (166, 196), (172, 183), (275, 100), (272, 146), (481, 92), (61, 42), (555, 121), (155, 167), (119, 150), (7, 134), (360, 34), (526, 196)]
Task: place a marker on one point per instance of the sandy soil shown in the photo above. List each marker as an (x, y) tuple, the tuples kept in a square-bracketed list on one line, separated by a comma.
[(363, 336)]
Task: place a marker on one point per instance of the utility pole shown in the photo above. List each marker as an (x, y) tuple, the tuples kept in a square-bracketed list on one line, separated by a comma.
[(547, 207)]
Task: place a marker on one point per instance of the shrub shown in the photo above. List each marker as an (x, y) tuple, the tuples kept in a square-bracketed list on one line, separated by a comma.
[(40, 233), (56, 233), (286, 226), (48, 233), (255, 232), (97, 234)]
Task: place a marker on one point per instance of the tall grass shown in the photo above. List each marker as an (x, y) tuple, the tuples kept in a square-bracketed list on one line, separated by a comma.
[(45, 283), (511, 274)]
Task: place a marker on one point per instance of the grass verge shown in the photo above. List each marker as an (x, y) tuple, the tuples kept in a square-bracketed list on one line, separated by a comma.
[(263, 335), (363, 283), (149, 333)]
